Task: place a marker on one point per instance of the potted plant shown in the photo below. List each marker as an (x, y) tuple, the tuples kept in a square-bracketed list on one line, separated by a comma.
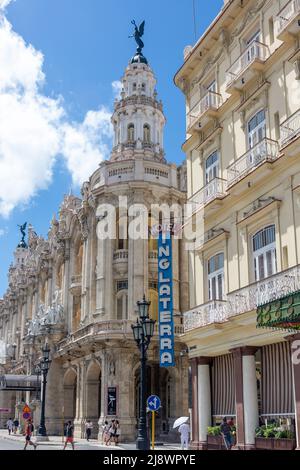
[(214, 438), (272, 437)]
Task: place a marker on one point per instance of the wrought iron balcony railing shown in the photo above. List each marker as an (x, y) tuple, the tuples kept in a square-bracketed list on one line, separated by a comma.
[(256, 51), (265, 151), (244, 300), (206, 314), (210, 102), (290, 128), (215, 189), (287, 15)]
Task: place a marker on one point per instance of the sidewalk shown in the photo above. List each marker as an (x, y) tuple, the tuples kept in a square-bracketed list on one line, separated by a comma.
[(58, 441)]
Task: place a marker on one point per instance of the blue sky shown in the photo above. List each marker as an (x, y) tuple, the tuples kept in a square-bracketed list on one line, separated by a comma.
[(63, 81)]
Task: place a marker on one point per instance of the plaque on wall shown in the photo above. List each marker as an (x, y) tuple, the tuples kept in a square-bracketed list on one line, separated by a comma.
[(111, 401)]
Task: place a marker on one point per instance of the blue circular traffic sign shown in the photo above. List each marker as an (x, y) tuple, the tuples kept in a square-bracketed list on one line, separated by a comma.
[(153, 403)]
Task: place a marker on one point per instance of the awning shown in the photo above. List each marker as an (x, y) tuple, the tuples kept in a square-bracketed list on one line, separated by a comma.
[(282, 313), (20, 382)]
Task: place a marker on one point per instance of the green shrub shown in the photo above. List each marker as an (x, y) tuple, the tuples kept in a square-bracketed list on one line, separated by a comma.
[(214, 431), (272, 431)]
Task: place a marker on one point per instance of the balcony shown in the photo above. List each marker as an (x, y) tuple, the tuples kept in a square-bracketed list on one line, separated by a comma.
[(244, 300), (106, 329), (287, 20), (248, 64), (120, 261), (206, 314), (204, 111), (213, 191), (290, 129), (76, 282), (265, 151)]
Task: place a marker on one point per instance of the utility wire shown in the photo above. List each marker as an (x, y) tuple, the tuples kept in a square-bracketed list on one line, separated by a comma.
[(194, 18)]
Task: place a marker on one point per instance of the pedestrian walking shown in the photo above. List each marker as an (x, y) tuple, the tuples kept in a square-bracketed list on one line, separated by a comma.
[(9, 425), (112, 432), (28, 434), (88, 429), (117, 432), (105, 432), (184, 430), (69, 435), (16, 425), (226, 433)]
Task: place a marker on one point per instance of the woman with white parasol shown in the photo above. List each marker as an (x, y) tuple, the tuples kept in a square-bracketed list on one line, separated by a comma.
[(184, 430)]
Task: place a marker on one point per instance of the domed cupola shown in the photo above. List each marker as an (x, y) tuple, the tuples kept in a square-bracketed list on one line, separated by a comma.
[(138, 118)]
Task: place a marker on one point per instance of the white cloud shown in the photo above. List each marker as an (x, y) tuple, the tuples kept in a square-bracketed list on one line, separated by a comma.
[(2, 232), (4, 3), (34, 128), (117, 88), (84, 145)]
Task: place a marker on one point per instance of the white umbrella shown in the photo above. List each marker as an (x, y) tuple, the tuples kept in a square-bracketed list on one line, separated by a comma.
[(180, 421)]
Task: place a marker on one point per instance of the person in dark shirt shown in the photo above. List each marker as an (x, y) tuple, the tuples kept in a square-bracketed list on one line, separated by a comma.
[(69, 435), (226, 433)]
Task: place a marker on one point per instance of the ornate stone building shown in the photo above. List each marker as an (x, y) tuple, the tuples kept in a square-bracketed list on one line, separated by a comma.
[(79, 292)]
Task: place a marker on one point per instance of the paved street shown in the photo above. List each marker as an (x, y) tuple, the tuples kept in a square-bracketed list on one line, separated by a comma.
[(9, 444), (17, 443)]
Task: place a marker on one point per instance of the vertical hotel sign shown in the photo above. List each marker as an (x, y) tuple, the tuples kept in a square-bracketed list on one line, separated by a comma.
[(165, 300)]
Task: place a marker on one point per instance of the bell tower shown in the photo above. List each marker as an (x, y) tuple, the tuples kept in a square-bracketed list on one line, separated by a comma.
[(138, 119)]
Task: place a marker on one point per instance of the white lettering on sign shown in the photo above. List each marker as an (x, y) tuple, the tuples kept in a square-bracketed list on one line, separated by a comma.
[(165, 294)]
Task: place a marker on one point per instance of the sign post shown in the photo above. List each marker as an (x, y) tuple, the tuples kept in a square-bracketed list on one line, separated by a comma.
[(26, 412), (153, 403)]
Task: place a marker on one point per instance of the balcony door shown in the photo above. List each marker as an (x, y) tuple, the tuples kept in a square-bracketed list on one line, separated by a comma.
[(212, 167), (256, 134), (215, 268), (253, 48), (211, 96)]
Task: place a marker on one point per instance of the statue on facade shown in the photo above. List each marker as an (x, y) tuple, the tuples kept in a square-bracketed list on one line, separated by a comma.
[(22, 243), (138, 33)]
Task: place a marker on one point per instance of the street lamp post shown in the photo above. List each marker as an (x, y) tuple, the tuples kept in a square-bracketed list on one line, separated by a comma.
[(143, 331), (44, 365)]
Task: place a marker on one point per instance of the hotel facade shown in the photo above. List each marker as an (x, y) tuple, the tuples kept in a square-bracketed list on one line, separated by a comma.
[(241, 82)]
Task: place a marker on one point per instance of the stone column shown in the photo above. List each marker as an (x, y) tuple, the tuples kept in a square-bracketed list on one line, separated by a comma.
[(295, 350), (201, 402), (246, 397), (250, 397), (195, 418), (54, 399), (204, 399)]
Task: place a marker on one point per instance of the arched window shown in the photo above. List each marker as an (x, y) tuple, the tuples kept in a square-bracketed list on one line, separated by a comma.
[(264, 253), (212, 167), (134, 87), (147, 134), (130, 133), (122, 305), (143, 87), (215, 269)]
